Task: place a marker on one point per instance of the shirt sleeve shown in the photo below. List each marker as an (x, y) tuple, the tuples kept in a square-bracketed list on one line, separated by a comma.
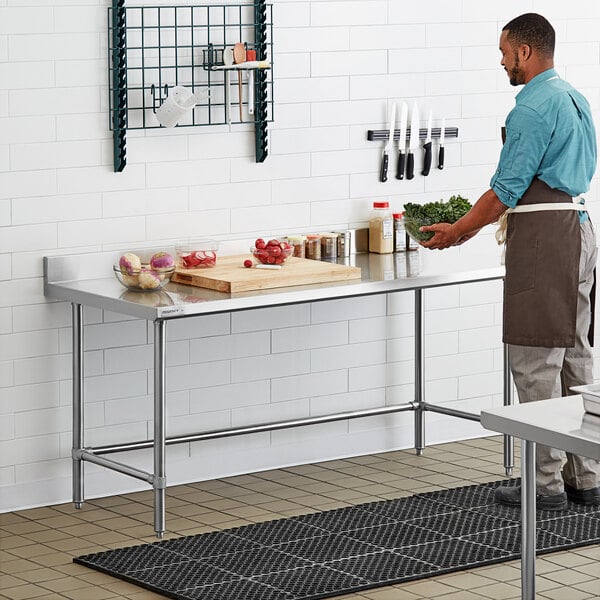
[(527, 137)]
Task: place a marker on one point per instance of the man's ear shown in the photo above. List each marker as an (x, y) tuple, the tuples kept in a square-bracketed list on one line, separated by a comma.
[(525, 51)]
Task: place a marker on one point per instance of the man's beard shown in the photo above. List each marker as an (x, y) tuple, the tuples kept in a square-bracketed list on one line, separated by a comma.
[(515, 75)]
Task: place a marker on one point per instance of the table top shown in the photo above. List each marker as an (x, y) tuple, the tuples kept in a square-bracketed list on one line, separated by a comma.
[(88, 279), (559, 422)]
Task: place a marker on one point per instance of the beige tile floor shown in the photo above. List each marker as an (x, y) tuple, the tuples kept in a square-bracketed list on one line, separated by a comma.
[(37, 545)]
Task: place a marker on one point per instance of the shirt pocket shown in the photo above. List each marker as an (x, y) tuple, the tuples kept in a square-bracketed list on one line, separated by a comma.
[(509, 150)]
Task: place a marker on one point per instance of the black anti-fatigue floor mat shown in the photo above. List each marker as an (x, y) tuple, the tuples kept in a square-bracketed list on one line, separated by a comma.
[(345, 550)]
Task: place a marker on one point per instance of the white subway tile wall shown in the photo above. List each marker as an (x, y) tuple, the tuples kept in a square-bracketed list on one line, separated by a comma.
[(337, 66)]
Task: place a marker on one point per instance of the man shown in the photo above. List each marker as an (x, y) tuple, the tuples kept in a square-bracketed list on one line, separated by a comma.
[(548, 159)]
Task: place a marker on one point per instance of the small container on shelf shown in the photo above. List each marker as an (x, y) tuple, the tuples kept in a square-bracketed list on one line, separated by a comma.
[(381, 229), (197, 254), (328, 246), (344, 243), (313, 246), (299, 244)]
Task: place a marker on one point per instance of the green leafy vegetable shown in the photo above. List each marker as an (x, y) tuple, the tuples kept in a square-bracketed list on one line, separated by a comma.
[(417, 215)]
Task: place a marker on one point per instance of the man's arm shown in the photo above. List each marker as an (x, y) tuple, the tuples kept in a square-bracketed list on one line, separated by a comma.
[(485, 211)]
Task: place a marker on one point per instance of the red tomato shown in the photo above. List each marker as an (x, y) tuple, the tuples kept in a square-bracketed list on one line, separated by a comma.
[(259, 244)]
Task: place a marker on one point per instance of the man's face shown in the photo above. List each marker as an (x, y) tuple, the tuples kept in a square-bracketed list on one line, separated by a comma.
[(510, 61)]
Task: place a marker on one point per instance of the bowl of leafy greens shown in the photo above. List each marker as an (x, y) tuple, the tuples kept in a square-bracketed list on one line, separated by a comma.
[(418, 215)]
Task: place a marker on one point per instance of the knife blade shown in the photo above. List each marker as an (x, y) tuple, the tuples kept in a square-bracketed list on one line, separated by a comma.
[(413, 141), (388, 145), (402, 141), (427, 148), (442, 140)]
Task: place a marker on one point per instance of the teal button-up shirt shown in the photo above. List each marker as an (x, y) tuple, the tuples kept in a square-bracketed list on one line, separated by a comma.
[(550, 135)]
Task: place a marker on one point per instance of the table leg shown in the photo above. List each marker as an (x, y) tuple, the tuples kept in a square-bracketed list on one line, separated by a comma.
[(78, 431), (159, 479), (419, 373), (528, 520), (509, 445)]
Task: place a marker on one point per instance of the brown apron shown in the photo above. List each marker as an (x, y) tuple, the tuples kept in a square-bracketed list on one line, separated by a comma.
[(542, 272)]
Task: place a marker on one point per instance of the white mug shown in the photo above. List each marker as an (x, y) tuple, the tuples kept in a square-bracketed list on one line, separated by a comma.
[(177, 104)]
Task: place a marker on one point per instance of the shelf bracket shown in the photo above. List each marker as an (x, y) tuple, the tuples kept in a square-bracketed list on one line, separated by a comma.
[(119, 84), (260, 79)]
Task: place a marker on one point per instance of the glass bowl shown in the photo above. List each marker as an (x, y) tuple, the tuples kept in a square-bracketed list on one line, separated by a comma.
[(273, 254), (197, 254), (412, 228), (144, 279)]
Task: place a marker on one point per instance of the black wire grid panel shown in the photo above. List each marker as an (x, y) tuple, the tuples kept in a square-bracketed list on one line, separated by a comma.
[(154, 48)]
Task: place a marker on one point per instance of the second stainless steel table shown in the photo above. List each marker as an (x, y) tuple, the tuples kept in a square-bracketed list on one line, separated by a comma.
[(560, 423), (87, 280)]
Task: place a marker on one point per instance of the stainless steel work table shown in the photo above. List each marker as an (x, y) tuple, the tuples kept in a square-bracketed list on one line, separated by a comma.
[(87, 279), (560, 423)]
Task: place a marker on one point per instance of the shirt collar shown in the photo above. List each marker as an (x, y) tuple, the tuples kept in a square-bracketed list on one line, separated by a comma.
[(535, 83)]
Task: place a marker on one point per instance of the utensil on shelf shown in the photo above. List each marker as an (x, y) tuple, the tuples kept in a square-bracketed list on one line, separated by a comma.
[(239, 56), (388, 145), (402, 141), (442, 140), (228, 62), (413, 142), (427, 148), (251, 57)]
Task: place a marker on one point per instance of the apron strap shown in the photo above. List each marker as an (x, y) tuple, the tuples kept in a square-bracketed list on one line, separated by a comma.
[(526, 208)]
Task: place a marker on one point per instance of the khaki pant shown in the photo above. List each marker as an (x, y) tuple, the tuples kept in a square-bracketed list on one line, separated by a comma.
[(542, 373)]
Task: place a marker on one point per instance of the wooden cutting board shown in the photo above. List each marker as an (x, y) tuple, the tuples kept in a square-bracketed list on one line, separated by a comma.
[(230, 275)]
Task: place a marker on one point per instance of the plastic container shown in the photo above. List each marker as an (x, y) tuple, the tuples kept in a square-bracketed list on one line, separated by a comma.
[(402, 241), (197, 254), (313, 246), (299, 244), (344, 243), (329, 245), (381, 229)]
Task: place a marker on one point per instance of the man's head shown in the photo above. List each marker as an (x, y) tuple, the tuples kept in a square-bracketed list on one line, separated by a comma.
[(527, 46)]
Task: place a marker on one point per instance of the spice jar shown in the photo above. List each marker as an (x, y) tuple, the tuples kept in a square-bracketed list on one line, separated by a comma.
[(329, 245), (299, 244), (381, 229), (344, 243), (399, 233), (313, 246)]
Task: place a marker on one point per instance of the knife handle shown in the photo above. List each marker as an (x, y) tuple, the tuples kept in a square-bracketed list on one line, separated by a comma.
[(410, 165), (441, 158), (401, 162), (427, 159), (384, 168)]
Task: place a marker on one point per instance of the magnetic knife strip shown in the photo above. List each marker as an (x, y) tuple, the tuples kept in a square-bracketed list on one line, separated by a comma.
[(375, 135)]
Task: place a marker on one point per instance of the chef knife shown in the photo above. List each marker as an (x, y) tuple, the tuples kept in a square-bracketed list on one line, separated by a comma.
[(413, 142), (442, 139), (402, 141), (427, 148), (388, 146)]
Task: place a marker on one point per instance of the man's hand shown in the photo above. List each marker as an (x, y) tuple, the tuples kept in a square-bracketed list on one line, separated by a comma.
[(444, 237), (486, 210)]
